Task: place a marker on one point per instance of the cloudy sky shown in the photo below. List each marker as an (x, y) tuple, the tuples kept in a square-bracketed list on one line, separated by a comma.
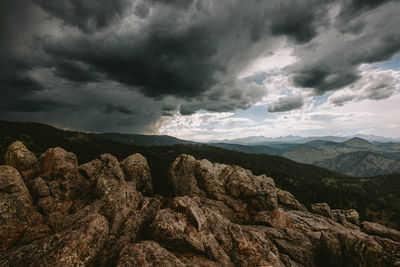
[(203, 69)]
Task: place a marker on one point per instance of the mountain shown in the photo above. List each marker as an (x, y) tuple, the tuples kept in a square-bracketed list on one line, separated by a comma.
[(107, 212), (144, 140), (361, 163), (262, 140), (318, 150), (257, 140), (375, 198), (374, 138), (359, 143)]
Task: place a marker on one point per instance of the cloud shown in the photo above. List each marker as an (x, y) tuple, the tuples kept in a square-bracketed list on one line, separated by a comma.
[(287, 103), (132, 63), (226, 97), (178, 48), (300, 20), (374, 85), (331, 61), (88, 15)]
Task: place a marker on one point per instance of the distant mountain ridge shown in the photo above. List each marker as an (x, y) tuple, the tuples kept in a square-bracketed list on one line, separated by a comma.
[(337, 156), (260, 140), (361, 163)]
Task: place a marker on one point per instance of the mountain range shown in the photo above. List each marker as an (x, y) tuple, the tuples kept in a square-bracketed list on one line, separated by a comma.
[(360, 155), (337, 156), (262, 140)]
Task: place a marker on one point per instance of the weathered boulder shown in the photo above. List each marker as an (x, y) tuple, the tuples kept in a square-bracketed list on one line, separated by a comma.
[(238, 188), (57, 163), (147, 254), (23, 160), (182, 176), (119, 198), (191, 228), (77, 246), (119, 201), (354, 248), (68, 190), (352, 216), (137, 170), (39, 188), (259, 191), (348, 218), (275, 218), (296, 248), (322, 209), (287, 200), (89, 170), (19, 221), (380, 230)]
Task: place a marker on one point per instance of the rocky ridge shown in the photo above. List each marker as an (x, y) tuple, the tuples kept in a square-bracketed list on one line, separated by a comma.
[(106, 213)]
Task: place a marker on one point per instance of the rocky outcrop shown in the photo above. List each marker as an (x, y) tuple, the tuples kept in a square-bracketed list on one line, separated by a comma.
[(218, 215)]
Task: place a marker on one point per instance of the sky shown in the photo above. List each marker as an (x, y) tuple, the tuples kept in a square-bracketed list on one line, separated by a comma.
[(203, 69)]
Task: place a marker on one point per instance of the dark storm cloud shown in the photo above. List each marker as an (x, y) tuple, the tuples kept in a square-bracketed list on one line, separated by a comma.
[(287, 103), (351, 8), (17, 20), (332, 61), (299, 20), (75, 71), (87, 15), (29, 105), (185, 48), (132, 62), (110, 108)]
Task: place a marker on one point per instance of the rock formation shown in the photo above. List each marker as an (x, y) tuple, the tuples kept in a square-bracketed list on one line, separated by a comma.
[(106, 213)]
